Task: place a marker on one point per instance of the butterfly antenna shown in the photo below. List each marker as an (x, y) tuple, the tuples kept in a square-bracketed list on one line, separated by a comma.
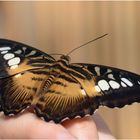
[(56, 54), (86, 43)]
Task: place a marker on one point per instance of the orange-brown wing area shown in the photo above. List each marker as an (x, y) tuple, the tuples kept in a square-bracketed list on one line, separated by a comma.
[(65, 99), (20, 91)]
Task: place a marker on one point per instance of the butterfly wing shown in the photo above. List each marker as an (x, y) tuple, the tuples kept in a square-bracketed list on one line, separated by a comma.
[(16, 57), (21, 90), (119, 87), (22, 70)]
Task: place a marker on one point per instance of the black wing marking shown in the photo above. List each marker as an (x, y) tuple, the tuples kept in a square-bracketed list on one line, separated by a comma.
[(119, 87), (16, 57)]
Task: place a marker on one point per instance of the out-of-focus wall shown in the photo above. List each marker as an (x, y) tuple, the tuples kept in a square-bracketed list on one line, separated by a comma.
[(58, 27)]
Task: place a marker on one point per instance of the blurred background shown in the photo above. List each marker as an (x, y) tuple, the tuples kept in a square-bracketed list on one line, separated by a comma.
[(58, 27)]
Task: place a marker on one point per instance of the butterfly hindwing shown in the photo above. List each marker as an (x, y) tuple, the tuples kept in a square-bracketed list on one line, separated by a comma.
[(21, 90), (119, 87), (16, 57)]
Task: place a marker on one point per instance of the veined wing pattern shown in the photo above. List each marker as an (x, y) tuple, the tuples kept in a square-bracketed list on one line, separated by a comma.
[(57, 90)]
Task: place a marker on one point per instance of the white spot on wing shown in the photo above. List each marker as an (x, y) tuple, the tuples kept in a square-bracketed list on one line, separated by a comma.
[(3, 52), (139, 82), (103, 85), (114, 84), (8, 56), (18, 75), (24, 48), (97, 88), (83, 92), (14, 67), (10, 115), (109, 70), (126, 81), (14, 61), (64, 119), (22, 110), (97, 69), (18, 52), (5, 48), (123, 84), (111, 76), (31, 53)]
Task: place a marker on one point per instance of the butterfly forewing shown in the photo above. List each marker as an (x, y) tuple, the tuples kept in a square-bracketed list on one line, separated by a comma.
[(17, 57)]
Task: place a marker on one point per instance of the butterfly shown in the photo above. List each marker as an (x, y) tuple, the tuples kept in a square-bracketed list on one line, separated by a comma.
[(57, 89)]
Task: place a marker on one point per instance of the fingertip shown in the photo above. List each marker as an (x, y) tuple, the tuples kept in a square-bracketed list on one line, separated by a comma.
[(39, 129), (82, 128)]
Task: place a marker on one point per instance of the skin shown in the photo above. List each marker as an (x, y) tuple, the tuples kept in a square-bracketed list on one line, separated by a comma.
[(27, 125)]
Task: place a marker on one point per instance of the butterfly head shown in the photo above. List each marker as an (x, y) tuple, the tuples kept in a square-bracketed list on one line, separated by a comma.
[(65, 58)]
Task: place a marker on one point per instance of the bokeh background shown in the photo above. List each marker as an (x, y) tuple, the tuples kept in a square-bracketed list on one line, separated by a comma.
[(58, 27)]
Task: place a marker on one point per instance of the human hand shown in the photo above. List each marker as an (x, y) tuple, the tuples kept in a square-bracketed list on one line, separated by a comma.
[(27, 125)]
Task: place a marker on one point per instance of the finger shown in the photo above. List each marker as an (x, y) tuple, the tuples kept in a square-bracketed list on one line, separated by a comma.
[(103, 130), (82, 128), (28, 125)]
